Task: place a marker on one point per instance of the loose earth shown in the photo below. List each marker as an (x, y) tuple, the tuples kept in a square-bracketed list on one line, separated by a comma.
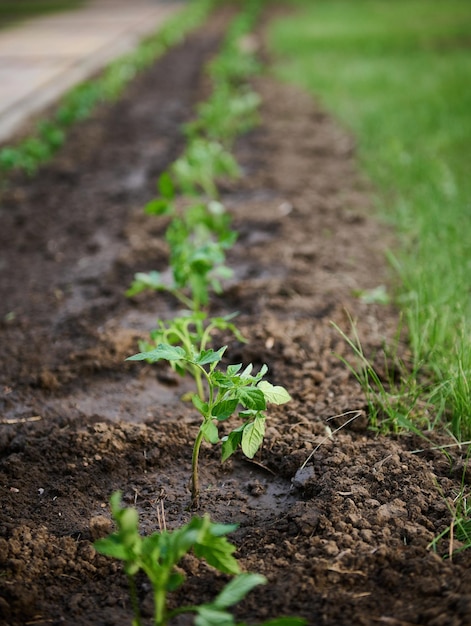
[(338, 517)]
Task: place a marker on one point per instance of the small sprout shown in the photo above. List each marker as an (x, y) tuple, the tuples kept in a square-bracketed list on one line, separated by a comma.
[(158, 556), (223, 394)]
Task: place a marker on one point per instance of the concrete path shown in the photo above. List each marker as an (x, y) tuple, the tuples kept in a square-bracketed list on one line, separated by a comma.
[(43, 57)]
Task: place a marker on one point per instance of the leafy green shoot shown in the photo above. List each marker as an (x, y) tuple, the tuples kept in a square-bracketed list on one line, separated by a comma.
[(198, 236), (191, 331), (202, 164), (225, 115), (158, 556), (235, 390), (196, 270)]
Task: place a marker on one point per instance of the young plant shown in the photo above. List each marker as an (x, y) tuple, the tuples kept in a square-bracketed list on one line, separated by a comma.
[(227, 114), (158, 555), (233, 66), (191, 331), (203, 162), (235, 390), (198, 236), (195, 271)]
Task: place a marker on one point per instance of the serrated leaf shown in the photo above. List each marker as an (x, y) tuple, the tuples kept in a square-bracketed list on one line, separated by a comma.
[(237, 589), (163, 351), (233, 369), (252, 398), (210, 431), (223, 410), (247, 371), (217, 551), (201, 406), (209, 356), (252, 437), (112, 546), (274, 393), (230, 444)]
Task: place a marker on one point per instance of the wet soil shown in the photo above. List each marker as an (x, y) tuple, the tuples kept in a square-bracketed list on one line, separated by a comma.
[(337, 517)]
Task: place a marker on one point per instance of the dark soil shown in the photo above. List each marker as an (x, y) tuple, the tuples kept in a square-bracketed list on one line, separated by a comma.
[(343, 541)]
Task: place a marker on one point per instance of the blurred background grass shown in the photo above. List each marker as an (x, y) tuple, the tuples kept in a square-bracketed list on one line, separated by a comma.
[(398, 75)]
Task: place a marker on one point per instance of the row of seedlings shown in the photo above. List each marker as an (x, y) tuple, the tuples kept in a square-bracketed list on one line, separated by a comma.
[(198, 236)]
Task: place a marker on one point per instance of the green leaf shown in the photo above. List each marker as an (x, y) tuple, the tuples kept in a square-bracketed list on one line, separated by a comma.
[(252, 398), (274, 393), (143, 281), (379, 295), (233, 369), (231, 443), (165, 186), (115, 503), (252, 436), (219, 530), (175, 580), (209, 356), (247, 371), (112, 546), (237, 589), (208, 615), (158, 207), (217, 551), (163, 351), (223, 410), (210, 431), (201, 406), (262, 372), (128, 520)]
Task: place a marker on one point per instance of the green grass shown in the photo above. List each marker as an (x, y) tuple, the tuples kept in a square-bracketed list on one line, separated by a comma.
[(12, 11), (397, 74)]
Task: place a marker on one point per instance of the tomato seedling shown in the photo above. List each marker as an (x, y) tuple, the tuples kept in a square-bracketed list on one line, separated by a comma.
[(158, 555), (198, 237), (192, 332), (235, 390)]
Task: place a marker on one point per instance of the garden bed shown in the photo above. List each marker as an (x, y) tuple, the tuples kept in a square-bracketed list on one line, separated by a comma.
[(343, 541)]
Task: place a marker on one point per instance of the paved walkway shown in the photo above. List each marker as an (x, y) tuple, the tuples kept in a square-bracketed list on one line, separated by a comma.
[(43, 57)]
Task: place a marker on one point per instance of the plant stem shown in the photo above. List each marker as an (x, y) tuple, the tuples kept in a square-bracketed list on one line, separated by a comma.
[(199, 384), (188, 302), (134, 601), (195, 487), (159, 606)]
